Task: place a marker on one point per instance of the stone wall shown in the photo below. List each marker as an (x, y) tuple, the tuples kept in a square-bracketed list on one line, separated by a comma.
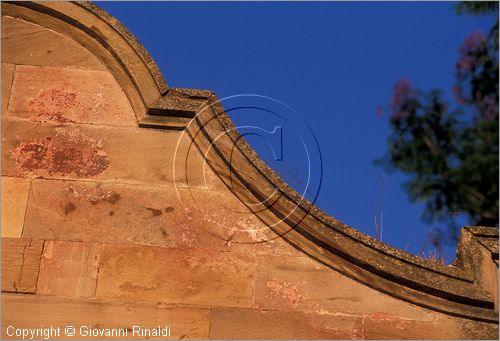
[(100, 229)]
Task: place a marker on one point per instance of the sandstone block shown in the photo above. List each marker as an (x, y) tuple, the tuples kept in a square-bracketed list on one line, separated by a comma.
[(29, 44), (20, 264), (14, 200), (65, 95), (302, 284), (386, 326), (102, 212), (72, 151), (33, 311), (271, 325), (176, 276), (68, 269)]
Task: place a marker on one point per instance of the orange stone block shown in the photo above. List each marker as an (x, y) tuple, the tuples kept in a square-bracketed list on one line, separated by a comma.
[(64, 95), (386, 326), (125, 154), (28, 44), (68, 269), (176, 276), (89, 316), (303, 284), (103, 212), (251, 324), (20, 264), (15, 193)]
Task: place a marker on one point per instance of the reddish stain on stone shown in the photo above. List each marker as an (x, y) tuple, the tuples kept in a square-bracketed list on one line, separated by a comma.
[(68, 152), (70, 207), (95, 195), (51, 104), (381, 317), (357, 330), (188, 237), (113, 198), (284, 291), (154, 211), (357, 334), (163, 232)]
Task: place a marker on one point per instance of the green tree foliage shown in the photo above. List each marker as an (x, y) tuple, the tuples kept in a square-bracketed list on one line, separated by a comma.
[(451, 154)]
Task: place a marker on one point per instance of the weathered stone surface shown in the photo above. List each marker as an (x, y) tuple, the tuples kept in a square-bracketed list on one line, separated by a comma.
[(20, 264), (176, 276), (113, 213), (176, 103), (70, 120), (26, 43), (23, 311), (14, 200), (52, 151), (7, 76), (124, 213), (470, 329), (67, 95), (386, 326), (258, 324), (68, 269), (222, 215), (73, 151), (302, 284)]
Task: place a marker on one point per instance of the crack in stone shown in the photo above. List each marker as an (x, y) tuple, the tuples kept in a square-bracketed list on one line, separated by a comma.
[(22, 34), (22, 266)]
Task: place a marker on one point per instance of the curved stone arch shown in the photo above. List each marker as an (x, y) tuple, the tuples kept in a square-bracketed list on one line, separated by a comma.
[(106, 38), (457, 290)]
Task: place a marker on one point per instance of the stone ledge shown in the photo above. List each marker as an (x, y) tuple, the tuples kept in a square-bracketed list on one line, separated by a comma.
[(175, 109)]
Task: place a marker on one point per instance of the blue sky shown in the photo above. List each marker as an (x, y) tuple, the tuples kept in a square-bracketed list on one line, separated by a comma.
[(333, 63)]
